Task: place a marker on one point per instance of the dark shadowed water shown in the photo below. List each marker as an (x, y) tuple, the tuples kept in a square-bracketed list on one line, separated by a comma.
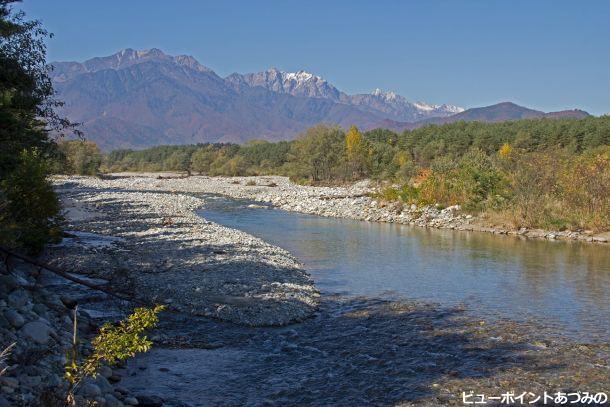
[(564, 286)]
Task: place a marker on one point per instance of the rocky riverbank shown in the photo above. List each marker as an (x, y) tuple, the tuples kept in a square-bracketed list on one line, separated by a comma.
[(147, 246), (161, 251), (353, 202), (36, 324)]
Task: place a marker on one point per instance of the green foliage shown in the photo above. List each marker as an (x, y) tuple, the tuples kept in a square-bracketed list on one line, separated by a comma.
[(492, 167), (113, 344), (29, 207), (264, 158), (78, 157), (179, 160), (202, 159), (388, 194), (558, 190), (318, 154), (456, 139)]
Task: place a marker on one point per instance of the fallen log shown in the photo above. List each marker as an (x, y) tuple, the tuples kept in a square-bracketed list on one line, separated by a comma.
[(41, 265)]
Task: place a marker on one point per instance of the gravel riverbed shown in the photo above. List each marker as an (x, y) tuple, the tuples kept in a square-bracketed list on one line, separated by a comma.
[(163, 252)]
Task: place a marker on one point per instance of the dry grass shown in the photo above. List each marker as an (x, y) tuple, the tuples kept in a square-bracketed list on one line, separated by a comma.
[(4, 355)]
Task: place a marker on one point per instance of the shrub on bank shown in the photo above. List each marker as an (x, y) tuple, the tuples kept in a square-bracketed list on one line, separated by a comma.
[(29, 215), (78, 157), (533, 173)]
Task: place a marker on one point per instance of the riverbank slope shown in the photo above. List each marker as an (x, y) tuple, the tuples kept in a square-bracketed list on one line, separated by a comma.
[(157, 249), (353, 201)]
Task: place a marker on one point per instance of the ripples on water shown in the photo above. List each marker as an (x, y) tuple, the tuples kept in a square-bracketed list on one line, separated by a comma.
[(563, 285)]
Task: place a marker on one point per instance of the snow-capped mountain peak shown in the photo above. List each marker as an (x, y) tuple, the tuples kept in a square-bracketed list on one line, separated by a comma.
[(301, 76), (451, 109), (299, 83), (388, 96), (398, 108), (302, 83), (425, 106)]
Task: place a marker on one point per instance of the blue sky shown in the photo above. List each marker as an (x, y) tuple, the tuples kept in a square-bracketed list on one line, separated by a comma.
[(548, 55)]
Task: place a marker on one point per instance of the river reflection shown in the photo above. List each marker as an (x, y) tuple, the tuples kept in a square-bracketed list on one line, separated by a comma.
[(564, 285)]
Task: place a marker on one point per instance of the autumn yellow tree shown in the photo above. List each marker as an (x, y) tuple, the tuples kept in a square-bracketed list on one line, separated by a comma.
[(355, 150), (505, 151)]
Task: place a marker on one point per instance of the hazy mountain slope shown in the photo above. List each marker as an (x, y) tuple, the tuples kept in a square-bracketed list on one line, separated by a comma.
[(180, 101), (495, 113), (136, 99)]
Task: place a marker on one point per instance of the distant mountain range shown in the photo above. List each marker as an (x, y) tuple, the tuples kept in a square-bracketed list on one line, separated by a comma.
[(500, 112), (137, 99)]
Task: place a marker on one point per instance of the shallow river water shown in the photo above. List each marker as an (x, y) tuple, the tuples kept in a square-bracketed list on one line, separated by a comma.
[(562, 285)]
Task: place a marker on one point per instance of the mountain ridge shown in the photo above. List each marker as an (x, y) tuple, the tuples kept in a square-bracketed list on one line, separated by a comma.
[(136, 99)]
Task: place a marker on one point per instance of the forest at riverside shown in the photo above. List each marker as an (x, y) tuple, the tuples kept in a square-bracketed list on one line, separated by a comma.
[(547, 173)]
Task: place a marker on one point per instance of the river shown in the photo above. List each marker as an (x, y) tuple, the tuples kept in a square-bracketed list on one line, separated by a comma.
[(561, 285)]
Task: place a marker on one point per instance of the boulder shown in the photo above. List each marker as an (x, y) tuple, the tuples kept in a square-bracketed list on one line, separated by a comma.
[(38, 331), (90, 390), (103, 384), (18, 299), (8, 283)]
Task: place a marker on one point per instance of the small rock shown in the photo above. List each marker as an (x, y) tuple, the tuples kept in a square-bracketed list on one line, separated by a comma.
[(115, 378), (121, 390), (131, 401), (14, 318), (149, 401), (8, 283), (112, 401), (90, 390), (18, 299), (37, 331), (40, 309), (54, 380), (105, 371), (68, 302), (31, 381), (9, 382)]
